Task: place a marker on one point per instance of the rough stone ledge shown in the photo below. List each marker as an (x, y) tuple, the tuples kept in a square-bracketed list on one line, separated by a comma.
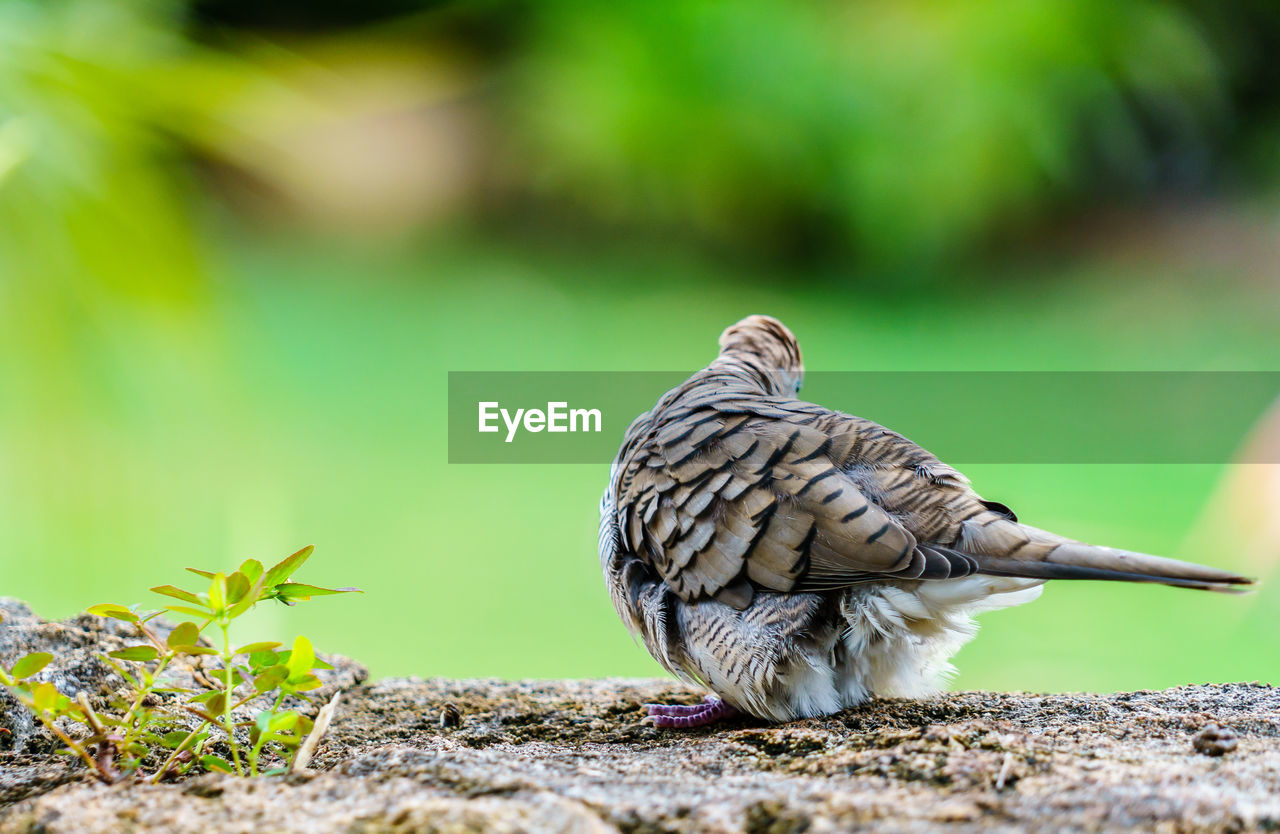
[(574, 756)]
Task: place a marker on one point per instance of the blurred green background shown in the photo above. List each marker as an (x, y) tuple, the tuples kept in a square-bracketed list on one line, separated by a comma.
[(242, 243)]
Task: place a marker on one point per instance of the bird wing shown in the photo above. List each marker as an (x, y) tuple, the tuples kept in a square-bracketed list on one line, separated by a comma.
[(726, 496)]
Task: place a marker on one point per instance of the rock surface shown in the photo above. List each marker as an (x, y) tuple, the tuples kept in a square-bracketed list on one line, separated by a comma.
[(438, 755)]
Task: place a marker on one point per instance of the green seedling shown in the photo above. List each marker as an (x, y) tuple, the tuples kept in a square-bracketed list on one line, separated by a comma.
[(152, 721)]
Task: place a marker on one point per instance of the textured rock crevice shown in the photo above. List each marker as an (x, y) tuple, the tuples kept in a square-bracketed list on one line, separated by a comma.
[(439, 755)]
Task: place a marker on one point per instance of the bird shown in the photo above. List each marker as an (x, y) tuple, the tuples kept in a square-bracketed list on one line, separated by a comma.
[(797, 561)]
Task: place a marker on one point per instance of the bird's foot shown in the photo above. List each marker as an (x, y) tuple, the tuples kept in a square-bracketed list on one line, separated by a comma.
[(682, 717)]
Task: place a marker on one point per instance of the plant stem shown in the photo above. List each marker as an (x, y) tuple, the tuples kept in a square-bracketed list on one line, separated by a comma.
[(130, 717), (99, 769), (256, 753), (168, 763), (228, 725)]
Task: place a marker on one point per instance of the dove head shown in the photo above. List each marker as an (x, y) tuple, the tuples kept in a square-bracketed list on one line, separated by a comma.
[(769, 350)]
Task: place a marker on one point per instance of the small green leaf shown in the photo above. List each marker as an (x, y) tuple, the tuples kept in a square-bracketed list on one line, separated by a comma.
[(207, 574), (201, 613), (212, 762), (302, 657), (115, 612), (217, 704), (298, 590), (218, 592), (178, 593), (237, 587), (282, 722), (203, 696), (173, 738), (271, 678), (282, 571), (256, 648), (250, 600), (251, 568), (30, 664), (45, 697), (193, 648), (304, 682), (184, 634), (262, 660), (140, 653)]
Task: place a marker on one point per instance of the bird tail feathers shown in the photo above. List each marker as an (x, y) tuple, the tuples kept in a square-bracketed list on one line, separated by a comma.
[(1047, 556)]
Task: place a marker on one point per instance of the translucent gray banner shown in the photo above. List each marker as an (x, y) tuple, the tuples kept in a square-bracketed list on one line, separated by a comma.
[(963, 417)]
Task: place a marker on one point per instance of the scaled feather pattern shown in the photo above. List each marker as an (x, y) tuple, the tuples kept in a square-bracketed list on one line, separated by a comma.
[(797, 560)]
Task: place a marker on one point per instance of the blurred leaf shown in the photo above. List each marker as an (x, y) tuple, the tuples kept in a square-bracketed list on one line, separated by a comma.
[(252, 569), (216, 763), (282, 721), (248, 599), (218, 592), (45, 697), (256, 648), (178, 593), (184, 634), (302, 657), (304, 683), (190, 612), (286, 567), (136, 653), (193, 648), (295, 590), (237, 587), (263, 659), (115, 612), (30, 664), (271, 678)]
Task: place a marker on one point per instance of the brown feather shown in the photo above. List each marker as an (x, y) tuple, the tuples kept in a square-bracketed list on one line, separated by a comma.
[(731, 479)]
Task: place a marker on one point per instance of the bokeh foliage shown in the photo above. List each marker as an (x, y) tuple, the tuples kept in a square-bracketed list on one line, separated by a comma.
[(891, 134), (903, 130)]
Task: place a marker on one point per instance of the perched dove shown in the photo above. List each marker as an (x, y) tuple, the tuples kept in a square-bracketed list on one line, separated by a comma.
[(797, 560)]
